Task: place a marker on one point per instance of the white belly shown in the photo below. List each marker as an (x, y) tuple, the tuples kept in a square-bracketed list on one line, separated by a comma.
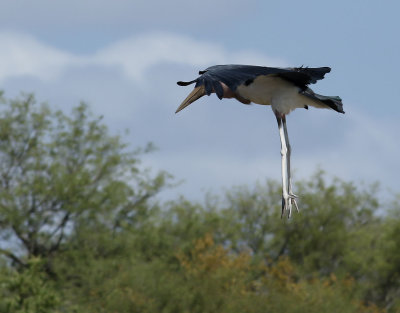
[(282, 95)]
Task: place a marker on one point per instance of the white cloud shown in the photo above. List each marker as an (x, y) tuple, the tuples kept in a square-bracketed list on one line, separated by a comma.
[(137, 54), (22, 55)]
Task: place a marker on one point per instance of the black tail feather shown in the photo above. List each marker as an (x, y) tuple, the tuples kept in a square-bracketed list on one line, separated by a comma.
[(334, 102)]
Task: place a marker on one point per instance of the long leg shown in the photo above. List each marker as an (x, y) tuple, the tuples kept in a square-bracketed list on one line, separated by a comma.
[(286, 198), (289, 152)]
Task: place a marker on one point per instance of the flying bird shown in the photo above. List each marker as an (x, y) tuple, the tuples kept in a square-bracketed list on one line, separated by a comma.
[(284, 89)]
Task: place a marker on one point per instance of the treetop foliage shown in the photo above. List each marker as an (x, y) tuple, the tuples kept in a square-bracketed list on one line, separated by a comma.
[(81, 230)]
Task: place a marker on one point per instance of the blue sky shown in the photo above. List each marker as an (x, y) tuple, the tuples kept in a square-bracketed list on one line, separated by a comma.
[(124, 58)]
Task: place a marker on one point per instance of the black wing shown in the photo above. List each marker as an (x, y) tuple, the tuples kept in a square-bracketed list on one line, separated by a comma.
[(236, 75)]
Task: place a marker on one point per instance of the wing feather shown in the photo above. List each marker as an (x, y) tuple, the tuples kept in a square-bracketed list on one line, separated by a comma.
[(233, 76), (236, 75)]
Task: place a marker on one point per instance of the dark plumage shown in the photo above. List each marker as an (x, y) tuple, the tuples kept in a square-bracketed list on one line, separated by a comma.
[(285, 89), (234, 76)]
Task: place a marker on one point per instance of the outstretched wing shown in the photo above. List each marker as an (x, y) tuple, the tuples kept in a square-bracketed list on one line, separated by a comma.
[(233, 76), (236, 75)]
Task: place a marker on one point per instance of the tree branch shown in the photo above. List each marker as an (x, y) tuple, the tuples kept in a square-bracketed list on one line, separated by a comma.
[(12, 256), (61, 236), (27, 243)]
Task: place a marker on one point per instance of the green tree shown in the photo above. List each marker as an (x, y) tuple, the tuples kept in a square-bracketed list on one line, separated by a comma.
[(385, 277), (27, 291), (61, 172), (80, 231)]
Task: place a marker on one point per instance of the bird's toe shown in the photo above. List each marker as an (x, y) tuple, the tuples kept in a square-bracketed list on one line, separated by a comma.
[(288, 202)]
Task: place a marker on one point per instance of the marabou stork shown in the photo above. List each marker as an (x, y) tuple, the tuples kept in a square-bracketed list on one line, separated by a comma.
[(284, 89)]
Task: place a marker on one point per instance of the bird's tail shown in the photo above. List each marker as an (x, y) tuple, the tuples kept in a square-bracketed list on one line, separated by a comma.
[(196, 93), (333, 102)]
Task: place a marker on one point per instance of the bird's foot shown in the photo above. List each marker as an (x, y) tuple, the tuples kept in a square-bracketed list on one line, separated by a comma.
[(288, 202)]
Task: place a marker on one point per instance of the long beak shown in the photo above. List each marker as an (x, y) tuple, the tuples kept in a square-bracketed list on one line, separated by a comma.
[(196, 93)]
